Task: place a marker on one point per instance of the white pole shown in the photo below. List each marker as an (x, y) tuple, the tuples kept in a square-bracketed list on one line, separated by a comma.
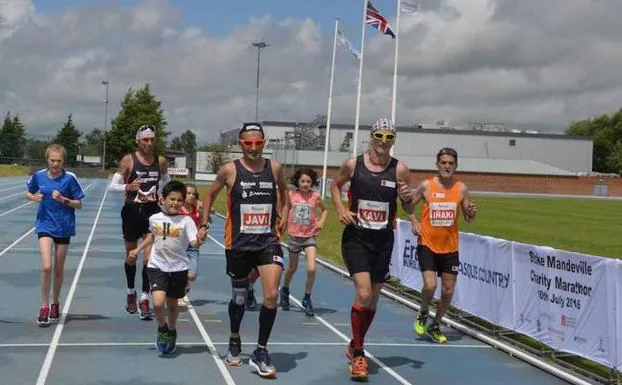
[(397, 50), (328, 115), (358, 94)]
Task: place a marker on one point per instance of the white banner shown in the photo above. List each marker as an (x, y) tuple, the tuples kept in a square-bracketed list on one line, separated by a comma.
[(177, 171), (485, 284), (563, 299)]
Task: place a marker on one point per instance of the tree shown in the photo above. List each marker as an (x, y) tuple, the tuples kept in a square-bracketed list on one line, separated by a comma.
[(12, 137), (137, 108), (69, 137), (606, 133), (35, 149), (186, 142), (93, 143), (217, 158)]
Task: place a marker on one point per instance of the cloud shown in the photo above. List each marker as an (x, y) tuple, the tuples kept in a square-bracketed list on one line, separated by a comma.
[(528, 63)]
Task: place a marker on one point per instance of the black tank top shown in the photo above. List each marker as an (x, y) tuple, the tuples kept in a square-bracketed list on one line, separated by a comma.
[(251, 209), (150, 176), (373, 196)]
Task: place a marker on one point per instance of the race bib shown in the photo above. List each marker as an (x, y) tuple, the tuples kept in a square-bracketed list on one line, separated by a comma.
[(255, 219), (146, 196), (442, 214), (373, 215), (302, 214)]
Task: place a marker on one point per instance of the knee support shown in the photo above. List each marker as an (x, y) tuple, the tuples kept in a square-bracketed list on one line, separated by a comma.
[(239, 291)]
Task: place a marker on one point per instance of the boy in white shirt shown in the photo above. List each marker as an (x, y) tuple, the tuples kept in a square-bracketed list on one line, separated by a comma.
[(170, 233)]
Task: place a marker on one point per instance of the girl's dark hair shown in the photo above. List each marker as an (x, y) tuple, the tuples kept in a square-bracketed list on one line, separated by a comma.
[(196, 191), (305, 171)]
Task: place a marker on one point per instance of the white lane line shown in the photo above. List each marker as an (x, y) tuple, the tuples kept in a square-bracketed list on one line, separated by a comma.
[(202, 343), (380, 364), (16, 208), (49, 357), (12, 195)]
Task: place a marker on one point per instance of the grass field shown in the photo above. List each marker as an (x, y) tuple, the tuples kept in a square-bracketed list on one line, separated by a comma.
[(587, 226), (13, 170)]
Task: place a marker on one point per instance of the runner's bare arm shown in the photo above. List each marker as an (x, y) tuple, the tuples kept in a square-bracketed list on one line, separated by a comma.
[(404, 190), (344, 175), (223, 179), (323, 215), (148, 241), (282, 207), (469, 208), (164, 177)]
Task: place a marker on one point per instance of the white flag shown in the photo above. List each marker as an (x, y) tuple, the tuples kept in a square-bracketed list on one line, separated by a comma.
[(409, 6), (346, 44)]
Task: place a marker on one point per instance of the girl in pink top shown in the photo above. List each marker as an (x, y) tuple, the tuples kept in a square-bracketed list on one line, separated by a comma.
[(303, 225)]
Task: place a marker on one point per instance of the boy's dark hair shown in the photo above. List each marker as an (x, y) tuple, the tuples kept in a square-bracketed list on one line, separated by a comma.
[(305, 171), (196, 190), (174, 186), (447, 151)]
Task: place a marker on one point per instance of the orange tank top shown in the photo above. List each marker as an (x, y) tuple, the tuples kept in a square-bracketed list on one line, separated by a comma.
[(439, 218)]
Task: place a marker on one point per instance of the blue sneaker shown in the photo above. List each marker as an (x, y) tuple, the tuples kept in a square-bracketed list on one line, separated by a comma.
[(308, 306), (162, 340), (260, 361), (172, 342)]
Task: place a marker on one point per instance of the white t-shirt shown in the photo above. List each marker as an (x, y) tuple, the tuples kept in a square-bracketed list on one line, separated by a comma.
[(172, 235)]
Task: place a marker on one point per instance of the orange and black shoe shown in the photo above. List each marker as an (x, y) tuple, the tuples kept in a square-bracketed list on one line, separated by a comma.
[(359, 369)]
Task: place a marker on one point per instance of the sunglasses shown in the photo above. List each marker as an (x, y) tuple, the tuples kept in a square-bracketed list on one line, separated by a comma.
[(248, 143), (388, 136)]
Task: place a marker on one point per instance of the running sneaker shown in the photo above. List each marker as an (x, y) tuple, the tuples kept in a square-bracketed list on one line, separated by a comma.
[(172, 342), (44, 314), (359, 368), (260, 361), (162, 339), (350, 351), (130, 306), (284, 300), (251, 301), (145, 312), (421, 324), (54, 312), (234, 356), (308, 306), (434, 331)]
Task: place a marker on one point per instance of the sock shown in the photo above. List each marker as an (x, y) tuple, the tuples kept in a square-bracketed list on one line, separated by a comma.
[(163, 328), (144, 296), (131, 291), (146, 287), (285, 289), (130, 275), (367, 320), (236, 313), (307, 296), (357, 316), (266, 321)]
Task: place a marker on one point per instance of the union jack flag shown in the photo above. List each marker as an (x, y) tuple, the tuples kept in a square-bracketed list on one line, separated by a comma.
[(374, 19)]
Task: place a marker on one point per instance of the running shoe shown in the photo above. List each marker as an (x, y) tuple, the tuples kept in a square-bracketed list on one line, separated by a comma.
[(284, 300), (145, 312), (359, 369), (251, 301), (434, 331), (162, 340), (421, 324), (234, 355), (54, 312), (308, 306), (172, 341), (260, 361), (44, 314), (350, 351), (130, 305)]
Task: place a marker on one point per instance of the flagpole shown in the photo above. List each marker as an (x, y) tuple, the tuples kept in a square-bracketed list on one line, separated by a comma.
[(397, 50), (328, 114), (358, 94)]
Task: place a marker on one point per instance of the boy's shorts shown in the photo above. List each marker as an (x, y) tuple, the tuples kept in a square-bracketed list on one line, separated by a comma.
[(173, 283)]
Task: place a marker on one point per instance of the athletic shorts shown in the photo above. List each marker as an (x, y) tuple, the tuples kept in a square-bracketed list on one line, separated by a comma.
[(439, 262), (57, 240), (367, 251), (193, 258), (173, 283), (240, 263), (298, 244), (135, 219)]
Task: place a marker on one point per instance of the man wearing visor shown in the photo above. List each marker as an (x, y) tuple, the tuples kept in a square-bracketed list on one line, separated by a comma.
[(140, 176), (376, 181), (256, 195)]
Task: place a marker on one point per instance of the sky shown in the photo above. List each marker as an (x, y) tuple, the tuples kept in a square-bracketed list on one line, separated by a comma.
[(528, 64)]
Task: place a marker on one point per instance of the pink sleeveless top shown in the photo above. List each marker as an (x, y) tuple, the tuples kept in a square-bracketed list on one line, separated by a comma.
[(303, 213)]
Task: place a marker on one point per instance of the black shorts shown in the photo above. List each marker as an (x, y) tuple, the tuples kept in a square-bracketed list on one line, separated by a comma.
[(57, 240), (439, 262), (174, 282), (135, 219), (240, 263), (367, 251)]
